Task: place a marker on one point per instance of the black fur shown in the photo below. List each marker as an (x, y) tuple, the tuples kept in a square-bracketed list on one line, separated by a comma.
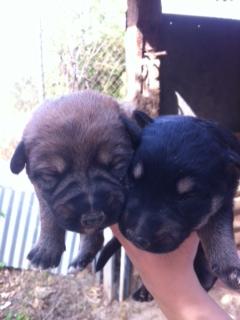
[(188, 177), (18, 160), (108, 250), (189, 171)]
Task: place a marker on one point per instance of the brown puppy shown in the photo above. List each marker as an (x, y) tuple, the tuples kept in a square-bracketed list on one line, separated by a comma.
[(76, 153)]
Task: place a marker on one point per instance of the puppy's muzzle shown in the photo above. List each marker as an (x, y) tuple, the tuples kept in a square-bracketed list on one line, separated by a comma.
[(140, 242), (92, 220)]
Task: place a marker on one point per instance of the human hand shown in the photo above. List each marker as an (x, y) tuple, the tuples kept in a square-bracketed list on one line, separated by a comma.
[(172, 281)]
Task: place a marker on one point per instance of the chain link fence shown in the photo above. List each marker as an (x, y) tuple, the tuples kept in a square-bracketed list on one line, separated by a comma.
[(99, 65)]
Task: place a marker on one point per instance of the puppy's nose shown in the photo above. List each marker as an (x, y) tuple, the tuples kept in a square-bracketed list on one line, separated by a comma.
[(137, 240), (92, 220)]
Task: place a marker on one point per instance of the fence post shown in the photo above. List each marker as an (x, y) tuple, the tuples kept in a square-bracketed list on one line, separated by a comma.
[(125, 276), (108, 271)]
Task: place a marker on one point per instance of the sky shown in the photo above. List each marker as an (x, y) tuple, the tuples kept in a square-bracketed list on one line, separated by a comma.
[(18, 54), (19, 34), (19, 28), (20, 50), (209, 8)]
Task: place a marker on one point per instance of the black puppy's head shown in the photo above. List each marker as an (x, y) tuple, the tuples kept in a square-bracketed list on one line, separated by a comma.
[(183, 172), (76, 152)]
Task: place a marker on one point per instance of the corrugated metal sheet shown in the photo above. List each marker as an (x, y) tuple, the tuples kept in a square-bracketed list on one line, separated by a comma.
[(19, 230)]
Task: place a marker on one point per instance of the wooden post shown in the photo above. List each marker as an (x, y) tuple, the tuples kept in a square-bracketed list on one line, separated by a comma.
[(142, 44), (143, 54)]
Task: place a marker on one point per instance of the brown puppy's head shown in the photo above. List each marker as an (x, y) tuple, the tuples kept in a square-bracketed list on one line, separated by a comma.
[(77, 152)]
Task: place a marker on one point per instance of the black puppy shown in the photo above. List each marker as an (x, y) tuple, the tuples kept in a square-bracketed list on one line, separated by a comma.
[(183, 178)]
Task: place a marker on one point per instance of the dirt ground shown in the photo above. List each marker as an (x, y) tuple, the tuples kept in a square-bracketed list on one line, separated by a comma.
[(39, 295)]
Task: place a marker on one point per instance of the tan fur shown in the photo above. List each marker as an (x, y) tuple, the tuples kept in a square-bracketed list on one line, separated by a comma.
[(185, 185), (138, 170), (215, 206)]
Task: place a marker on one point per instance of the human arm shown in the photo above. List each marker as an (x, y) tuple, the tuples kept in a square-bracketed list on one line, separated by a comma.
[(171, 279)]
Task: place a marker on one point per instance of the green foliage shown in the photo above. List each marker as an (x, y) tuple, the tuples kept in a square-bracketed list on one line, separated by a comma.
[(93, 57), (82, 48), (17, 316), (99, 65)]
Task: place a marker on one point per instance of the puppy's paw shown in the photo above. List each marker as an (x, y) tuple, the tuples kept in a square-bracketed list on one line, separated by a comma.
[(231, 278), (45, 256), (142, 295), (82, 261)]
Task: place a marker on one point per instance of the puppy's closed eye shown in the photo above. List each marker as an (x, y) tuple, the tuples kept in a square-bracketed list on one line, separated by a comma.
[(119, 168), (46, 180)]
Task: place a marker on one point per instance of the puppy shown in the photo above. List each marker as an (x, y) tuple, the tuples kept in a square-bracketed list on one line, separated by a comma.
[(76, 152), (183, 178)]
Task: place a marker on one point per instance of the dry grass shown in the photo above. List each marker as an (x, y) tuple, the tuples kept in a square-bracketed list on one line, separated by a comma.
[(38, 295)]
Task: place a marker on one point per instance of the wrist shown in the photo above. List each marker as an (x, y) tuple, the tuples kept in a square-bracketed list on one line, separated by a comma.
[(187, 301)]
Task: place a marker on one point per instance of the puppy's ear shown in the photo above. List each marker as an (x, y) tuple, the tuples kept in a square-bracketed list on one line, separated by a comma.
[(18, 160), (228, 141), (142, 118), (132, 129), (235, 158)]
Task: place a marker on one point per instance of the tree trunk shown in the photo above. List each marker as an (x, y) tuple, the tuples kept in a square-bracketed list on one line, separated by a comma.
[(143, 54)]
